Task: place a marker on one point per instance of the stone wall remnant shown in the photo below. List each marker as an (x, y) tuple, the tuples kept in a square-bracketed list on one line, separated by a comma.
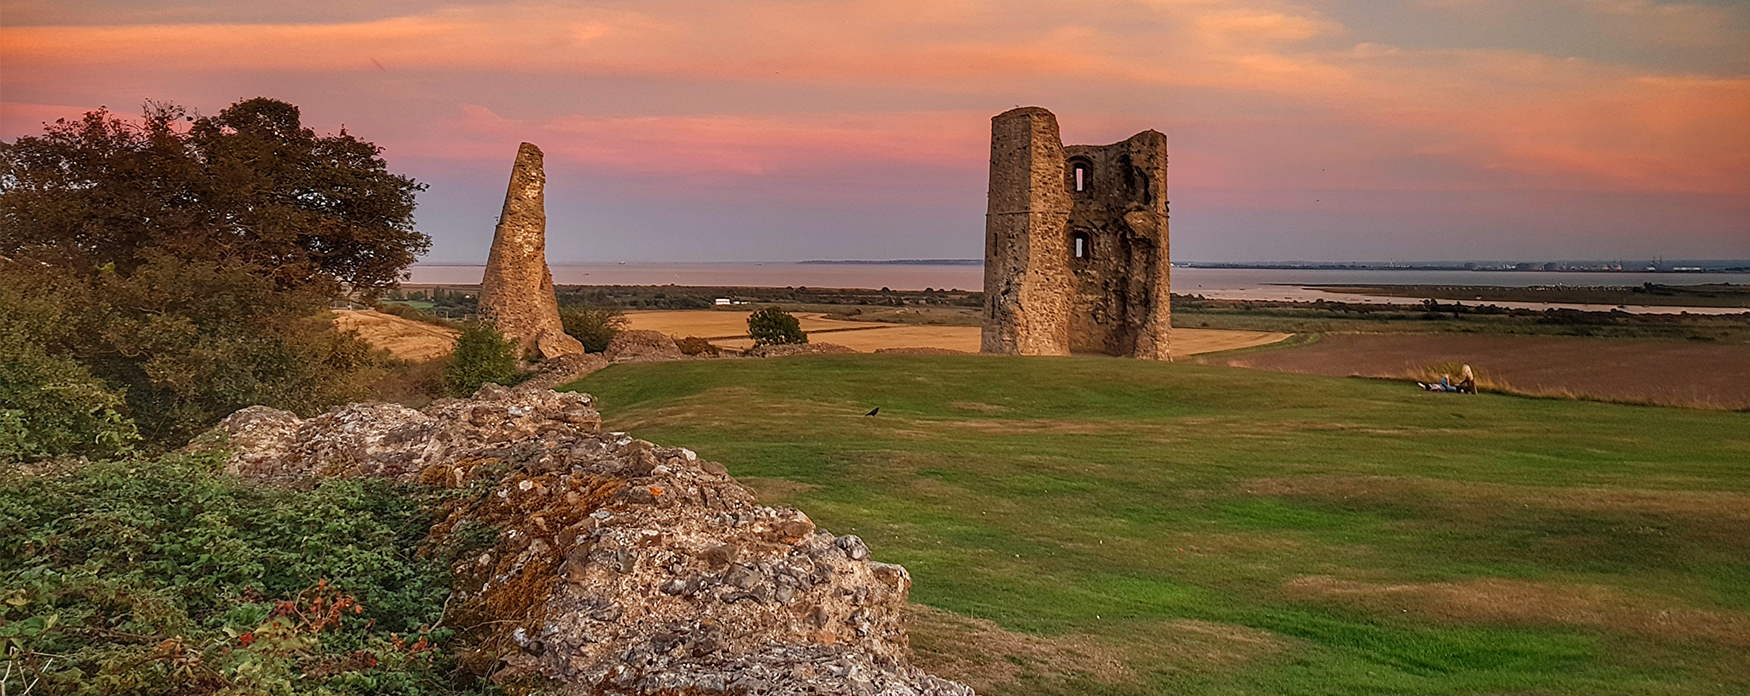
[(516, 293), (1076, 250)]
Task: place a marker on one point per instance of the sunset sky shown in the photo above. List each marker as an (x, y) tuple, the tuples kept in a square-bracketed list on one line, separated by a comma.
[(726, 130)]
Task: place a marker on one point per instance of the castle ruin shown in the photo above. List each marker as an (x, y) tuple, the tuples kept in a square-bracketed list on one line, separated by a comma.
[(1075, 245)]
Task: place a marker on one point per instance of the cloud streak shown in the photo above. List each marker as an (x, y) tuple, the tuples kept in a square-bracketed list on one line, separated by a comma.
[(1257, 98)]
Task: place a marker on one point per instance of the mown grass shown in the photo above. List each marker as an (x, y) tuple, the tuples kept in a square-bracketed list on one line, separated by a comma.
[(1224, 531)]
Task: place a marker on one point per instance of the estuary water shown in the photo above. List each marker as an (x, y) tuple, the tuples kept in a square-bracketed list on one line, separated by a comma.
[(1217, 283)]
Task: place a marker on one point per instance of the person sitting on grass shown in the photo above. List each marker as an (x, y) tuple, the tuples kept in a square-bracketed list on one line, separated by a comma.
[(1468, 385)]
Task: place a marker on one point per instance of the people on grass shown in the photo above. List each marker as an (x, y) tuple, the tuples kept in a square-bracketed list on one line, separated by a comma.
[(1467, 384)]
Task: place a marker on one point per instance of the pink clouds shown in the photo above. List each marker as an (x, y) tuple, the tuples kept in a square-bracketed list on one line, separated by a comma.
[(1258, 96), (719, 145)]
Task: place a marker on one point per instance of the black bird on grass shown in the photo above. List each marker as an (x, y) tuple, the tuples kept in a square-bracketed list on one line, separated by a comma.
[(874, 412)]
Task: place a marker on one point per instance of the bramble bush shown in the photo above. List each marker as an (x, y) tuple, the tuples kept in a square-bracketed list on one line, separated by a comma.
[(772, 326), (165, 576)]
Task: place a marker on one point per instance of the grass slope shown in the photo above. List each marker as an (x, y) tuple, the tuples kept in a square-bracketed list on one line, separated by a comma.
[(1133, 527)]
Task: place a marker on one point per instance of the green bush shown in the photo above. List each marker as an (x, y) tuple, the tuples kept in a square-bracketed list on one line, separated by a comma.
[(482, 355), (50, 405), (773, 326), (594, 327), (165, 576)]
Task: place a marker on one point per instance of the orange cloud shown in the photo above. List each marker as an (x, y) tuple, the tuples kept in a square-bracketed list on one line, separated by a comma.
[(1514, 117)]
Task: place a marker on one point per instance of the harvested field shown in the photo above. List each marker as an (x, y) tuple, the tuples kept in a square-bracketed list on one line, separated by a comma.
[(1693, 374), (729, 329), (403, 338)]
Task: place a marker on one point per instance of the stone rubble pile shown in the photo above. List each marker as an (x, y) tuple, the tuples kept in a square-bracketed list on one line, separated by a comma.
[(619, 566)]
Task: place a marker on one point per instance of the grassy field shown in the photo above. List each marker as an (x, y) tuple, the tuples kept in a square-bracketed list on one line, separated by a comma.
[(1106, 526)]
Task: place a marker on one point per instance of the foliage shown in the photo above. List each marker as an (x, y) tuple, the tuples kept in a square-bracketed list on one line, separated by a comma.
[(50, 406), (773, 326), (1226, 531), (250, 186), (594, 327), (482, 355), (164, 576), (187, 261), (693, 345)]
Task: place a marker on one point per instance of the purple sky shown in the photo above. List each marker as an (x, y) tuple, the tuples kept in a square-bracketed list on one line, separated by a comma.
[(711, 130)]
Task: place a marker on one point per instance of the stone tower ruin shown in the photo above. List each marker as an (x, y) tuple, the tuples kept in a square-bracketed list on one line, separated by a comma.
[(517, 291), (1075, 244)]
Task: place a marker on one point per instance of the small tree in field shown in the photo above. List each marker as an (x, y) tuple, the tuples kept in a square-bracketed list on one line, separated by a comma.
[(594, 327), (772, 326), (482, 355)]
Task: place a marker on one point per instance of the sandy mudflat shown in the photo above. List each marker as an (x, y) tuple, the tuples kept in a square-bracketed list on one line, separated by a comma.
[(729, 329)]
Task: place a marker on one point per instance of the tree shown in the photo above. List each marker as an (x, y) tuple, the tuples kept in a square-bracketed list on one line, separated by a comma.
[(594, 327), (773, 326), (482, 355), (249, 187), (192, 259)]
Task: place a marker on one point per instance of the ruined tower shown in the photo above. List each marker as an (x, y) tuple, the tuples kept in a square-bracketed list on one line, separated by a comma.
[(517, 291), (1075, 244)]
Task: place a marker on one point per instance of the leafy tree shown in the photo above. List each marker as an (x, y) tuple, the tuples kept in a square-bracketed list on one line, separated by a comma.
[(191, 259), (773, 326), (594, 327), (482, 355), (250, 187)]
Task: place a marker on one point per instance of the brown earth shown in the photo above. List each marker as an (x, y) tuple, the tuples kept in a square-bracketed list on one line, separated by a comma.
[(404, 338), (1691, 374)]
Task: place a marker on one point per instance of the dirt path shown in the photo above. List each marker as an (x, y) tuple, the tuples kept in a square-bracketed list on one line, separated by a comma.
[(403, 338), (1680, 373), (729, 329)]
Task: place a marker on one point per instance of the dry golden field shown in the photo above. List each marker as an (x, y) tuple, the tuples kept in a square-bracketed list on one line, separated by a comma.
[(403, 338), (729, 329)]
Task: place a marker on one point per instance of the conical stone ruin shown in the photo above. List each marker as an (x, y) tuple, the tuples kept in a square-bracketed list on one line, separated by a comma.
[(517, 292)]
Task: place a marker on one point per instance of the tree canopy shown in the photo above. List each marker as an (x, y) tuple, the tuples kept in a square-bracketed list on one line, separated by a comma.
[(250, 187)]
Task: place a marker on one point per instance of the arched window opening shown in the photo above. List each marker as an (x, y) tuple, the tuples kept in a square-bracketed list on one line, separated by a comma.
[(1080, 245), (1080, 173)]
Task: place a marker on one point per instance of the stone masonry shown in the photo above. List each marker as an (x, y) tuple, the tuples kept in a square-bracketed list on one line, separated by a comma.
[(1076, 254), (517, 291)]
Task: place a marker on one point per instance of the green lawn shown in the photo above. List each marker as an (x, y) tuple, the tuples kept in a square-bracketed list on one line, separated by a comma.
[(1135, 527)]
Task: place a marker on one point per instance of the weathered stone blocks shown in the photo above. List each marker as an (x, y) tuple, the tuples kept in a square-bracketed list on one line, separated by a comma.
[(1076, 252), (517, 291)]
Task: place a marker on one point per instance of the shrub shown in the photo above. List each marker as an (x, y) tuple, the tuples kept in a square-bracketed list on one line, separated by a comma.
[(693, 345), (594, 327), (164, 576), (482, 355), (773, 326), (50, 405)]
